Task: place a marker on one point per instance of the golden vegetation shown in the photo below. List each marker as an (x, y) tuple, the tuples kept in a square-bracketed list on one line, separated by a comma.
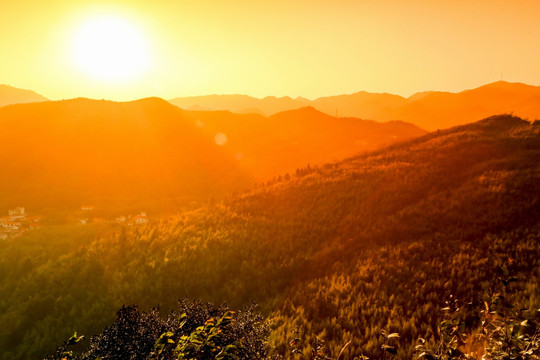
[(339, 251)]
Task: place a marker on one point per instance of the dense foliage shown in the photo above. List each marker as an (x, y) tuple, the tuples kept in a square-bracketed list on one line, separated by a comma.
[(337, 252), (196, 331), (506, 331)]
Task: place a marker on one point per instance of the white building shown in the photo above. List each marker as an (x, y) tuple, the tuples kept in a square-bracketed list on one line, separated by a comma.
[(17, 213)]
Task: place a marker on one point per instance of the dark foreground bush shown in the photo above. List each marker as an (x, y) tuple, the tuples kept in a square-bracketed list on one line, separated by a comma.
[(504, 331), (196, 331)]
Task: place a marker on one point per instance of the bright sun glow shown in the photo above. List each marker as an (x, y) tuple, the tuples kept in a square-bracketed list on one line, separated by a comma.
[(110, 48)]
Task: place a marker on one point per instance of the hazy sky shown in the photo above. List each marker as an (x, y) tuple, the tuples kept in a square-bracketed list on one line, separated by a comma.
[(307, 48)]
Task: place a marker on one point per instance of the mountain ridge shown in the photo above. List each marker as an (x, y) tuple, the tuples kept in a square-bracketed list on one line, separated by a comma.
[(78, 151), (11, 95), (272, 146), (83, 150), (430, 110)]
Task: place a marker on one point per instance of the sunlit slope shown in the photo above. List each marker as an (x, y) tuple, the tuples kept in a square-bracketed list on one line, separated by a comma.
[(342, 250), (286, 141), (10, 95), (68, 153), (439, 110)]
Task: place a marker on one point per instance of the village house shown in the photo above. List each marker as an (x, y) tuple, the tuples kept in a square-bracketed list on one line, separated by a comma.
[(17, 222), (17, 213), (12, 225), (14, 221)]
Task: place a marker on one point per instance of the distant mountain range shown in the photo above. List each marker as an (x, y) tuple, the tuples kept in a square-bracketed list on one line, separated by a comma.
[(65, 154), (10, 95), (241, 104), (271, 146), (149, 153), (429, 110)]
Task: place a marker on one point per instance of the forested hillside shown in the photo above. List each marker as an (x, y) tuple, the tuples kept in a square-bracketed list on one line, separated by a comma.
[(340, 251)]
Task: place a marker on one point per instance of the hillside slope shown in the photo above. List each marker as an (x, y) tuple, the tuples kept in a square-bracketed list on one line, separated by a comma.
[(272, 146), (150, 154), (439, 110), (434, 110), (341, 251), (70, 153), (10, 95)]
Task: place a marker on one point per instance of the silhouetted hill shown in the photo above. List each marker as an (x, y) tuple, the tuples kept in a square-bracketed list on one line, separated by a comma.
[(420, 95), (68, 153), (370, 105), (95, 151), (239, 103), (442, 109), (10, 95), (429, 110), (267, 147), (339, 251)]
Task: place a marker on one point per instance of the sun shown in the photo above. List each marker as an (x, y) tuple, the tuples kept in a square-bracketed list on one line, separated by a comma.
[(110, 48)]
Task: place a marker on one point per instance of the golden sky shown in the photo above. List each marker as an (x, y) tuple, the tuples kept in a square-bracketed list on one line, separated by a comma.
[(307, 48)]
